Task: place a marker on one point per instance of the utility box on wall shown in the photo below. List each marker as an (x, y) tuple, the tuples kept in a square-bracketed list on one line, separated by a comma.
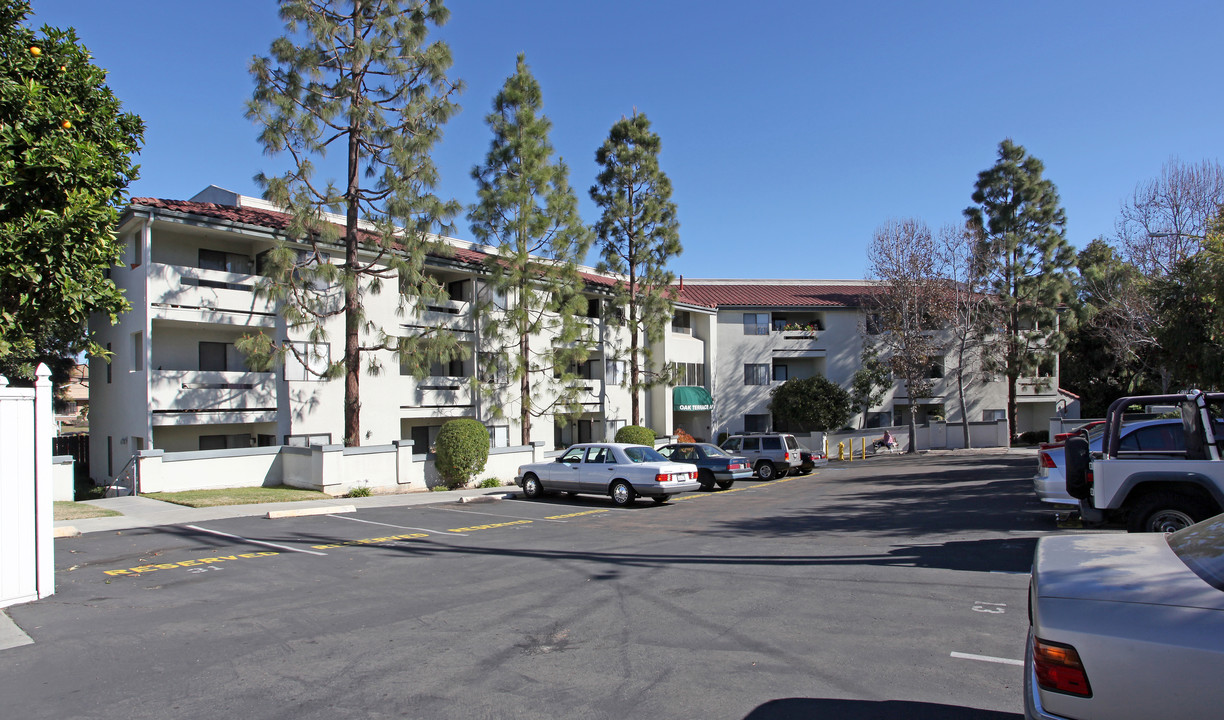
[(27, 513)]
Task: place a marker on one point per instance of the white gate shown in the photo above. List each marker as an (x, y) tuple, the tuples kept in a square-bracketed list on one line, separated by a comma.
[(27, 515)]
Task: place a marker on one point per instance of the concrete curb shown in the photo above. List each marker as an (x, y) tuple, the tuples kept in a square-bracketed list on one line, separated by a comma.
[(303, 512), (485, 498), (66, 531)]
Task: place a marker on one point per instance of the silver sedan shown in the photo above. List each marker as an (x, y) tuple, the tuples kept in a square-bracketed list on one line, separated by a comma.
[(619, 470), (1127, 626)]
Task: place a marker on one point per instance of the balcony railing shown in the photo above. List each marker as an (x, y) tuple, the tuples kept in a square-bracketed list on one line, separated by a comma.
[(1037, 386), (453, 315), (202, 390), (443, 391), (179, 288)]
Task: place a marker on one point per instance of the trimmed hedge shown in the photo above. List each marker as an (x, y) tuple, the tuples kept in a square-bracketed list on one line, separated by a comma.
[(636, 434), (461, 451)]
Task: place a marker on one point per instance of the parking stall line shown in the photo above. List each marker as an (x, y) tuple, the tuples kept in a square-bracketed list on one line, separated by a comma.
[(987, 658), (253, 542), (513, 517), (400, 527)]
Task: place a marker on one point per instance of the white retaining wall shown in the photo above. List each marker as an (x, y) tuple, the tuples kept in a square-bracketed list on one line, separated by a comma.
[(333, 469)]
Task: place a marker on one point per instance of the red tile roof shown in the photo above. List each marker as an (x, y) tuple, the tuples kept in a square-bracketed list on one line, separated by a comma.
[(279, 221), (764, 293)]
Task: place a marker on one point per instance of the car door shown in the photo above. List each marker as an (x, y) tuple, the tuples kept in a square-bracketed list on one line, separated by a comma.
[(751, 449), (598, 470), (565, 472)]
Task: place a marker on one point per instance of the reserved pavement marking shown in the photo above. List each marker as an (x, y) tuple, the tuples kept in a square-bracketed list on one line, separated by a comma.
[(473, 512), (576, 514), (398, 527), (253, 542), (987, 658), (491, 526), (370, 541), (207, 562)]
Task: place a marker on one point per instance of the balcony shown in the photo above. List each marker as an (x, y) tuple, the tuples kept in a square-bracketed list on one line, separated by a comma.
[(453, 315), (191, 294), (1037, 387), (443, 391), (191, 397)]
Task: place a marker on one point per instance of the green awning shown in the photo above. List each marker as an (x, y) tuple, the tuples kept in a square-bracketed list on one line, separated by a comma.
[(691, 399)]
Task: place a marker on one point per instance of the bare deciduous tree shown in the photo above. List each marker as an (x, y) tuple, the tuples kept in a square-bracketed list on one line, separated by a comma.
[(910, 308), (973, 313), (1167, 218)]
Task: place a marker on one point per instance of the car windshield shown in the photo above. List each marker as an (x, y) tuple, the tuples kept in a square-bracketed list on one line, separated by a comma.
[(641, 453), (714, 451), (792, 443), (1201, 548)]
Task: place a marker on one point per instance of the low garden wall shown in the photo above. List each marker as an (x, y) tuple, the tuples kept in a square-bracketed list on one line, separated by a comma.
[(333, 469)]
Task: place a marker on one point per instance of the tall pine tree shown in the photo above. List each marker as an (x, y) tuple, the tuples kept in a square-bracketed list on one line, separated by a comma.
[(529, 213), (638, 233), (1027, 260), (356, 76)]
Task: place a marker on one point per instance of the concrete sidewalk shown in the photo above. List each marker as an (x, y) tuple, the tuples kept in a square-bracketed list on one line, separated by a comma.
[(141, 511)]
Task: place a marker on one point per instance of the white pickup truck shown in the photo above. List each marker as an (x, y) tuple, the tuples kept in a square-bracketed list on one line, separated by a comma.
[(1162, 487)]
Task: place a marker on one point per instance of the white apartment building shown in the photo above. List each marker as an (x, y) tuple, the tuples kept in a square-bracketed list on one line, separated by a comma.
[(177, 383), (768, 331), (191, 270)]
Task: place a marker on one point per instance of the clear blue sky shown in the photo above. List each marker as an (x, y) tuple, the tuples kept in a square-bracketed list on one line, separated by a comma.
[(791, 129)]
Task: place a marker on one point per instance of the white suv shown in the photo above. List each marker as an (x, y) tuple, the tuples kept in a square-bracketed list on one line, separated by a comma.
[(771, 454)]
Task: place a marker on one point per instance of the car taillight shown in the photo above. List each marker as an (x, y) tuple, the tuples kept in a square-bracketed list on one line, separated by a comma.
[(1047, 461), (786, 456), (1088, 477), (1058, 668)]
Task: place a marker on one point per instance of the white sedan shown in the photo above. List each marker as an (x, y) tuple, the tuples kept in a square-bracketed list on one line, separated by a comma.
[(620, 470), (1127, 627)]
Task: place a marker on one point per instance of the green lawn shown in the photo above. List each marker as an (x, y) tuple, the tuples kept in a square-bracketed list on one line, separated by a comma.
[(67, 510), (237, 496)]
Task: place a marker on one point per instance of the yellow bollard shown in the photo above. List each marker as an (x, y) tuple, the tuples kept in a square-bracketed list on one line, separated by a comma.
[(841, 451), (864, 448)]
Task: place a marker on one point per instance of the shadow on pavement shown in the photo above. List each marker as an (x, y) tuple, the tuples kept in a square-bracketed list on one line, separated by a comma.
[(819, 709)]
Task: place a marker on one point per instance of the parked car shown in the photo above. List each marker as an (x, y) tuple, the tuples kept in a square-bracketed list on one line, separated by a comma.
[(809, 460), (1050, 482), (1062, 436), (714, 465), (1127, 626), (620, 470), (771, 454)]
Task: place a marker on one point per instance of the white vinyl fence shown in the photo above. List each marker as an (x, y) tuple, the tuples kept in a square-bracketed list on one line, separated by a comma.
[(27, 487)]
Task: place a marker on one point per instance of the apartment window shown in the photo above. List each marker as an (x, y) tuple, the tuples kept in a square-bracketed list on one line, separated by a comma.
[(423, 438), (265, 440), (756, 323), (137, 351), (313, 361), (494, 371), (993, 415), (690, 374), (224, 262), (756, 374), (308, 440), (779, 322), (213, 357), (780, 372), (212, 442), (592, 307), (499, 436), (682, 322), (458, 290), (755, 423), (451, 368), (616, 372)]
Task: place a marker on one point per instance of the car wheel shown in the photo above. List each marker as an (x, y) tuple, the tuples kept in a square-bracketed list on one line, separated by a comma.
[(765, 470), (532, 488), (622, 493), (725, 484), (660, 499), (1165, 512), (706, 478)]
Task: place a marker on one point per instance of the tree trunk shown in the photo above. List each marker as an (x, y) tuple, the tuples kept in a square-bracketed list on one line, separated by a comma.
[(352, 292)]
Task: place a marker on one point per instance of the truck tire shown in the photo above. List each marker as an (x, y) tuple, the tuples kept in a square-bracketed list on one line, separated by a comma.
[(1165, 512)]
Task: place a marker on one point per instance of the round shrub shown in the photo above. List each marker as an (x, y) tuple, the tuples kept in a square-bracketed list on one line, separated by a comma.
[(636, 434), (461, 451)]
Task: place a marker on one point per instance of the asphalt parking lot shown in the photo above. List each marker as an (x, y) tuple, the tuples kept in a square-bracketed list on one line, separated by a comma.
[(893, 587)]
